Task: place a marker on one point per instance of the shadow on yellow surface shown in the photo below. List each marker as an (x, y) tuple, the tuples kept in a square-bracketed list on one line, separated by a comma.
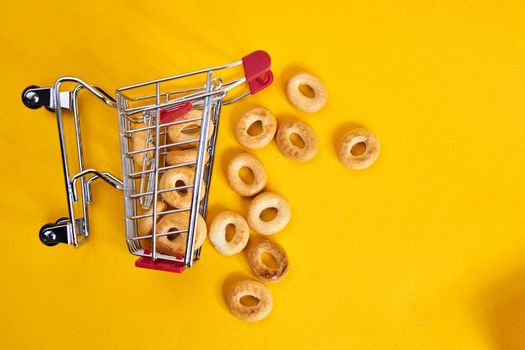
[(504, 303)]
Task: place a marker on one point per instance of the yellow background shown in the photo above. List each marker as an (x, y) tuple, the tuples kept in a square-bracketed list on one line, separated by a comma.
[(425, 250)]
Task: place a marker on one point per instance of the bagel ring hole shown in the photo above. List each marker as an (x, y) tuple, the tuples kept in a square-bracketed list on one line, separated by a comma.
[(306, 90), (191, 129), (297, 140), (256, 128), (172, 236), (268, 214), (358, 149), (183, 191), (249, 300), (269, 260), (246, 175), (229, 232)]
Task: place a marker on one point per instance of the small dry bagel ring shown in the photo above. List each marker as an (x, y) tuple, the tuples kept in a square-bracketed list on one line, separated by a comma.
[(259, 174), (218, 233), (145, 225), (299, 100), (177, 132), (169, 180), (267, 200), (178, 222), (254, 289), (183, 156), (250, 117), (307, 135), (260, 269), (361, 161)]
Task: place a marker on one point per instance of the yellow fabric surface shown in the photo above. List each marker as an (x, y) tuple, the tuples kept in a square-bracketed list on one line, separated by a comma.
[(425, 250)]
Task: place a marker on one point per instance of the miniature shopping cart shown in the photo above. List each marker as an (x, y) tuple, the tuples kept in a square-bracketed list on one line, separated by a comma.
[(150, 109)]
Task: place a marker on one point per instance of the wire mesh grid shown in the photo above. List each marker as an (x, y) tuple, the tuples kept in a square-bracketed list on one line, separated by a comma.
[(150, 114), (197, 114)]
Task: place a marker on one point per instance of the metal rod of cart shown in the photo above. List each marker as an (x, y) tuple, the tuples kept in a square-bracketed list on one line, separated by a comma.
[(146, 112)]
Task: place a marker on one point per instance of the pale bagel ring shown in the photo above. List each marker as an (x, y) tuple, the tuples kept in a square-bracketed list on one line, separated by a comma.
[(267, 200), (254, 289), (177, 222), (177, 132), (183, 156), (260, 269), (169, 180), (307, 135), (247, 119), (218, 233), (145, 225), (299, 100), (259, 174), (369, 156)]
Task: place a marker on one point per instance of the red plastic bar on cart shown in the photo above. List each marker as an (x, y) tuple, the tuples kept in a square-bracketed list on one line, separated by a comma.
[(257, 70), (159, 264), (171, 113)]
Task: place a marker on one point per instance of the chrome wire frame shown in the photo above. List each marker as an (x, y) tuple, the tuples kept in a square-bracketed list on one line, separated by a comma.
[(77, 225), (209, 97)]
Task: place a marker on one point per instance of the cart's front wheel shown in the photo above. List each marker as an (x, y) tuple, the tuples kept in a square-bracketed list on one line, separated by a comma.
[(48, 235)]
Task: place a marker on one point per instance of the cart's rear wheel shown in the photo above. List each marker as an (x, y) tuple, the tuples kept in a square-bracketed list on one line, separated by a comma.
[(48, 236)]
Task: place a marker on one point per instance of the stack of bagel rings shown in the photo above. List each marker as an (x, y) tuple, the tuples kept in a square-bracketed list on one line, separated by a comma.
[(175, 186)]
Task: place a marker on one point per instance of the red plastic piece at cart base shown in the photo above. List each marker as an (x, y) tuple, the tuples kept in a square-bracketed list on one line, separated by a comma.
[(171, 113), (257, 70), (159, 264)]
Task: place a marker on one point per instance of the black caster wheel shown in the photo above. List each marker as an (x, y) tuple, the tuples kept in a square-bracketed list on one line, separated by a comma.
[(48, 236), (36, 99), (31, 100)]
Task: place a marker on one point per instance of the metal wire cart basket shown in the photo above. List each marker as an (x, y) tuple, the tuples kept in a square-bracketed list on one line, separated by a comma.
[(156, 118)]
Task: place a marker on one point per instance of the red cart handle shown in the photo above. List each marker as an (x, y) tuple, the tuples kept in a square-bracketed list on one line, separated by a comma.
[(257, 70)]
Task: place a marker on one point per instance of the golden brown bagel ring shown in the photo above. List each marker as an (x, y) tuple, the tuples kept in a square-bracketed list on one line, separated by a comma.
[(260, 269), (183, 156), (259, 174), (218, 233), (178, 198), (249, 288), (267, 200), (368, 157), (301, 101), (145, 225), (176, 243), (250, 117), (307, 135), (188, 131)]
